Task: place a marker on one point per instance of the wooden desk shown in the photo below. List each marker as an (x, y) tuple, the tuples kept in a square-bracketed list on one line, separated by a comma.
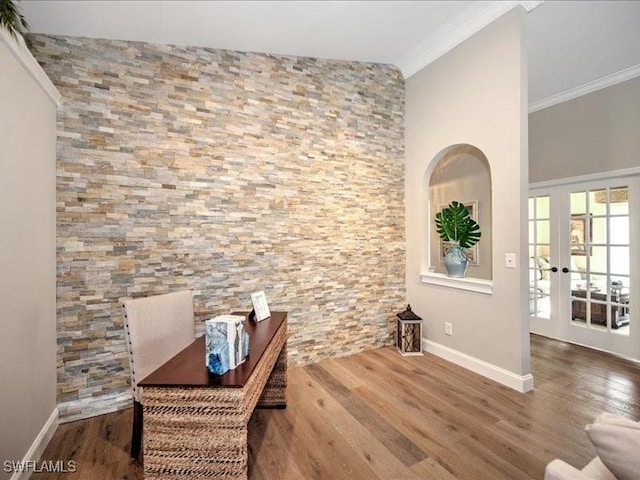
[(195, 422)]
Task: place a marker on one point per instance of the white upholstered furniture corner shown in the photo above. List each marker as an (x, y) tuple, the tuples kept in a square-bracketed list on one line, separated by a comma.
[(156, 328), (616, 440), (561, 470)]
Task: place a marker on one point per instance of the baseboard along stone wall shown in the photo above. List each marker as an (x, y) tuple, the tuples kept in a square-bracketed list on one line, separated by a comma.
[(225, 173)]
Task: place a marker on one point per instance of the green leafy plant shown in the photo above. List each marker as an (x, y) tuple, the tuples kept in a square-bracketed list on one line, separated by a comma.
[(11, 19), (455, 225)]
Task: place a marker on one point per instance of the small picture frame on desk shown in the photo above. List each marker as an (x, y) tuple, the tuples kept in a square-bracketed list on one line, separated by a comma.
[(260, 306)]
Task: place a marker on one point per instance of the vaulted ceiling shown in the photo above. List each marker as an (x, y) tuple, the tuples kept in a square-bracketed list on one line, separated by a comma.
[(573, 46)]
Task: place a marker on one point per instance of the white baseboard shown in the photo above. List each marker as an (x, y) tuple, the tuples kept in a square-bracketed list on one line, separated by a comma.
[(39, 444), (498, 374)]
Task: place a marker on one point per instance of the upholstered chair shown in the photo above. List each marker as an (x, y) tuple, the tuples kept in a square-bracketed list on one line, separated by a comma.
[(157, 328)]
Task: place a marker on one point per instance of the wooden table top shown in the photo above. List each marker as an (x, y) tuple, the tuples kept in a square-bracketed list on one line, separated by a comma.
[(187, 368)]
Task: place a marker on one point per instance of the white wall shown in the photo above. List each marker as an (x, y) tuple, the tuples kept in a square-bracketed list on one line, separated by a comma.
[(476, 94), (27, 254)]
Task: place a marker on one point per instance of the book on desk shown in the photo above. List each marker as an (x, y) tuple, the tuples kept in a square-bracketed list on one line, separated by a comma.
[(227, 343)]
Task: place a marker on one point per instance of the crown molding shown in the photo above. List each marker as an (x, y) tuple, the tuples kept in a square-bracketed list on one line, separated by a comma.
[(530, 5), (20, 51), (590, 177), (455, 32), (589, 87)]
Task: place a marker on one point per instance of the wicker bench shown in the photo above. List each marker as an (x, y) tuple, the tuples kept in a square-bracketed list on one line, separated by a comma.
[(195, 423)]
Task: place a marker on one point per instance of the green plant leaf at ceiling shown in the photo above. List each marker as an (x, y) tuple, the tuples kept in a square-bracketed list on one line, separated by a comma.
[(454, 224), (11, 19)]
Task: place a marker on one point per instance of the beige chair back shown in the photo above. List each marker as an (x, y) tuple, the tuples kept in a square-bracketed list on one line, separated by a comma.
[(157, 328)]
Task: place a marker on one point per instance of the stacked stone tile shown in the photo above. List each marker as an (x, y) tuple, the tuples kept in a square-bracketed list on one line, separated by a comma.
[(226, 173)]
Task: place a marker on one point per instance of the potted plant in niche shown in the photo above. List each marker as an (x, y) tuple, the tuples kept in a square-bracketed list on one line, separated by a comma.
[(455, 225)]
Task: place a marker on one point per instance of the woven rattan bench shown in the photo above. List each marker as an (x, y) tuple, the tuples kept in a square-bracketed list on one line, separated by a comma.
[(195, 423)]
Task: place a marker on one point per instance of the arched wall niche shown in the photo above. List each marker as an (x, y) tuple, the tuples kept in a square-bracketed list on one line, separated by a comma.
[(460, 172)]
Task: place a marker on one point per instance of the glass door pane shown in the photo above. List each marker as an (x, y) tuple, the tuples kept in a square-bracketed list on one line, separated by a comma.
[(539, 263), (600, 262)]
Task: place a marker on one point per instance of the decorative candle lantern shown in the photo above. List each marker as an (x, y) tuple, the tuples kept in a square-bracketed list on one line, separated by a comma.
[(409, 333)]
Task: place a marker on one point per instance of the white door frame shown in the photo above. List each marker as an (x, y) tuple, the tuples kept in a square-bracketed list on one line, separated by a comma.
[(559, 325)]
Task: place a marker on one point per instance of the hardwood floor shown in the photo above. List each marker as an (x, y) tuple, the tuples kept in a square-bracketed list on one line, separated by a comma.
[(377, 415)]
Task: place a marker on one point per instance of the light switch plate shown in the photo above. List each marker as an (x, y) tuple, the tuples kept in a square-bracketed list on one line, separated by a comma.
[(510, 260)]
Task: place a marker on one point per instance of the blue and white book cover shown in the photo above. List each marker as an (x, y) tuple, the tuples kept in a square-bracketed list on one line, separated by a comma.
[(227, 343)]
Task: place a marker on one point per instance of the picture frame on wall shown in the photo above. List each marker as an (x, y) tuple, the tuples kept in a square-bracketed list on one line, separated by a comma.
[(578, 234), (472, 253)]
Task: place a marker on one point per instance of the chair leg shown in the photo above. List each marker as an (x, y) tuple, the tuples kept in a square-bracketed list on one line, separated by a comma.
[(136, 434)]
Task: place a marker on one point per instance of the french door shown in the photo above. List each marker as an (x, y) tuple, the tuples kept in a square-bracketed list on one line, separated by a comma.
[(583, 264)]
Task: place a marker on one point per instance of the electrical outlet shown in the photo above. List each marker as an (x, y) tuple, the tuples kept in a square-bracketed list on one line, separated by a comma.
[(448, 328), (510, 260)]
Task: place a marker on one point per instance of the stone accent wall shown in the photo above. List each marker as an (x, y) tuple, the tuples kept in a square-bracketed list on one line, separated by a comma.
[(225, 173)]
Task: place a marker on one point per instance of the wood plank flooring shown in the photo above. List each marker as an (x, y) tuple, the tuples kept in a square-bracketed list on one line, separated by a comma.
[(377, 415)]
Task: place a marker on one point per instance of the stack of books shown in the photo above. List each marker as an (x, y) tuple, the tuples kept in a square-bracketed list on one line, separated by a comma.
[(227, 343)]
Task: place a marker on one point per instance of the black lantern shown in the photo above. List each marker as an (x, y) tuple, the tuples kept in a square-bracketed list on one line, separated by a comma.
[(409, 332)]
